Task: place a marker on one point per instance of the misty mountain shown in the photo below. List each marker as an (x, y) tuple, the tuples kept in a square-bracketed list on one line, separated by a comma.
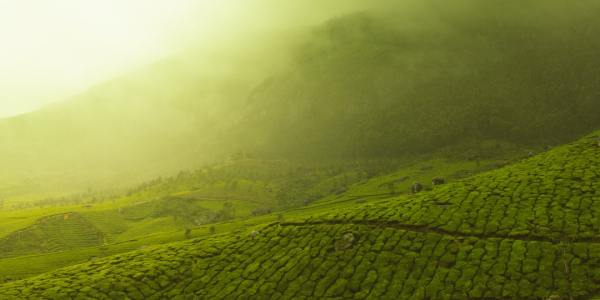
[(124, 130), (365, 85)]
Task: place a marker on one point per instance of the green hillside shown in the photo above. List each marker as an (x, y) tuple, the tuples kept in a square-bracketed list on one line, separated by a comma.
[(52, 234), (231, 196), (529, 230)]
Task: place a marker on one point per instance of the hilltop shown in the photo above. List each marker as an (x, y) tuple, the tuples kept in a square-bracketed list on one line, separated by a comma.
[(526, 230), (51, 234)]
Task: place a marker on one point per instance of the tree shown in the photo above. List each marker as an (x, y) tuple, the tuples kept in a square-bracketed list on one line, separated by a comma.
[(227, 212)]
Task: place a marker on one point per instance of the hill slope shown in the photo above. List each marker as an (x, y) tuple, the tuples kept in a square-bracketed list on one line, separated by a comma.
[(228, 197), (51, 234), (368, 85), (427, 77), (116, 134), (523, 231)]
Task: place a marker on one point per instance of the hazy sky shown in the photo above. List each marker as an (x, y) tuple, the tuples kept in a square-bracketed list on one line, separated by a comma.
[(53, 49)]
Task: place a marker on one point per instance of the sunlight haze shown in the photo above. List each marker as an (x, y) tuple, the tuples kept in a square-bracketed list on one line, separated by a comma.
[(54, 49)]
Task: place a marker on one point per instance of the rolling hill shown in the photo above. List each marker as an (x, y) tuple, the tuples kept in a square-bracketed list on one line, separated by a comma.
[(52, 234), (528, 230), (227, 197)]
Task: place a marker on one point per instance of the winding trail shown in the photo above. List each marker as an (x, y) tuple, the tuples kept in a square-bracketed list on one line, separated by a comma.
[(436, 230)]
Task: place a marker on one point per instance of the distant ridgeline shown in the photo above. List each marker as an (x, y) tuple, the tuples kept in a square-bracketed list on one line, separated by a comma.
[(360, 86), (529, 230)]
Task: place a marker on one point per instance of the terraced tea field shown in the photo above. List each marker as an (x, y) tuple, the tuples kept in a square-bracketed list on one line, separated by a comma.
[(52, 234), (529, 230), (161, 211)]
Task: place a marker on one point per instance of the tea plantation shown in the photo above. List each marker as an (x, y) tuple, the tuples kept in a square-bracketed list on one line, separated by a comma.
[(52, 234), (530, 230)]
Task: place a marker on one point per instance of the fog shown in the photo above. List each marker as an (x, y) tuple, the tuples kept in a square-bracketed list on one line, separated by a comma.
[(140, 89), (64, 47)]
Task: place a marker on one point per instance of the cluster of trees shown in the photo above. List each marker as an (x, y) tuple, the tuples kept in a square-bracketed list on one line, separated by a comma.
[(89, 197), (268, 184), (187, 212)]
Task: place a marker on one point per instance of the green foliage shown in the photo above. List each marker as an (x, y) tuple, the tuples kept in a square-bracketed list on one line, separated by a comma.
[(51, 234), (414, 255)]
